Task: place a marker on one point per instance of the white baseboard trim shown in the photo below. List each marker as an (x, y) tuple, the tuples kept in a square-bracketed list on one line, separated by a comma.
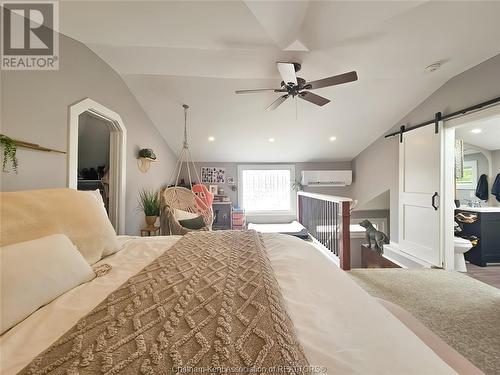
[(393, 253)]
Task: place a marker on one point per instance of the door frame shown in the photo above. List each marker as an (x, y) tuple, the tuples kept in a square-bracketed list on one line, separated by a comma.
[(449, 177), (118, 143)]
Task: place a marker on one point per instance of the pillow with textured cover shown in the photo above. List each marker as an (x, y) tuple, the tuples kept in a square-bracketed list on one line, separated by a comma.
[(194, 223), (33, 273), (183, 215), (28, 215)]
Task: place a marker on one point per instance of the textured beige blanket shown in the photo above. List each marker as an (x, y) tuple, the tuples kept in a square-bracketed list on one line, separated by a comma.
[(210, 303)]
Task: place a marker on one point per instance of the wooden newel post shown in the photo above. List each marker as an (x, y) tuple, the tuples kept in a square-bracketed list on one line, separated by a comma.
[(345, 236)]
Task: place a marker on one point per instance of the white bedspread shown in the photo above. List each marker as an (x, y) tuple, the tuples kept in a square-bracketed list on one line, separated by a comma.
[(339, 325)]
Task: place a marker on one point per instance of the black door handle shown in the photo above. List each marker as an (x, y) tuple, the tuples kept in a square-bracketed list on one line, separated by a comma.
[(436, 195)]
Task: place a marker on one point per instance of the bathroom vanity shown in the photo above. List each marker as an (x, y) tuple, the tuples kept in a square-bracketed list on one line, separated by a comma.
[(487, 229)]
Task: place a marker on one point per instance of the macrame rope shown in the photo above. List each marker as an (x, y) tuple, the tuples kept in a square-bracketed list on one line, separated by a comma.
[(187, 166), (181, 157), (184, 156), (185, 125), (194, 166), (173, 172)]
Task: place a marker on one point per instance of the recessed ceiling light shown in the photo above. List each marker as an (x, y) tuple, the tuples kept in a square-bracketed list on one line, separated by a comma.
[(476, 131), (332, 138), (271, 140), (211, 139)]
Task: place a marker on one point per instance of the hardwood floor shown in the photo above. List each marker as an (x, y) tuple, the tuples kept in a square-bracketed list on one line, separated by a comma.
[(489, 275)]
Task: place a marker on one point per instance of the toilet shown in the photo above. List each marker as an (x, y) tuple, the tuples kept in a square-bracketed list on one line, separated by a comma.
[(461, 246)]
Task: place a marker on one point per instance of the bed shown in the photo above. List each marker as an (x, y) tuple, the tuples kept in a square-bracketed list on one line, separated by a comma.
[(207, 298), (340, 327), (292, 229)]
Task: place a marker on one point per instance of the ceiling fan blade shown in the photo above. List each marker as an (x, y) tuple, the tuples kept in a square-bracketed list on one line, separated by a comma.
[(332, 81), (277, 103), (287, 71), (313, 98), (254, 91)]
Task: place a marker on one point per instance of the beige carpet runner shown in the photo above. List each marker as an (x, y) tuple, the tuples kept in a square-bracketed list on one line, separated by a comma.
[(463, 311)]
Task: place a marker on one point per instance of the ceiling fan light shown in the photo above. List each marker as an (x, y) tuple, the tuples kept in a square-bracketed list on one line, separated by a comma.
[(293, 86)]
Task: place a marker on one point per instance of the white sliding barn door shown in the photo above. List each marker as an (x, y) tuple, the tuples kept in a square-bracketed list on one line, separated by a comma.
[(419, 194)]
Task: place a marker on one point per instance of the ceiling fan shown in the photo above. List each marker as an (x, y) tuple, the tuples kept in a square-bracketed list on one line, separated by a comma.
[(293, 86)]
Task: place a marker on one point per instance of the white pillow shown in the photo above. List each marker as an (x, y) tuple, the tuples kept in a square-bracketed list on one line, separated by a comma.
[(97, 195), (183, 215), (29, 215), (33, 273)]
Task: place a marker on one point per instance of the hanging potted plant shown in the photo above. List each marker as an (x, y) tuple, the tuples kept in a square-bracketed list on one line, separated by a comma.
[(297, 185), (149, 203), (144, 159), (9, 152), (147, 153)]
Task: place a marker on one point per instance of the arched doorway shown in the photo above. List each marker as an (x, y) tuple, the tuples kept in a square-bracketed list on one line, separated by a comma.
[(117, 159)]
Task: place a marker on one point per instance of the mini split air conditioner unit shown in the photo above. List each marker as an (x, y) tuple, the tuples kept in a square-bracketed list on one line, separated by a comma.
[(326, 178)]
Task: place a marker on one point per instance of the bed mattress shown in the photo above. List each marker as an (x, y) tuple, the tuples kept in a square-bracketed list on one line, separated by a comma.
[(341, 328), (292, 229)]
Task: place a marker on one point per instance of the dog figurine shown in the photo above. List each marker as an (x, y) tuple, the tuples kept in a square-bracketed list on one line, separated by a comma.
[(375, 236)]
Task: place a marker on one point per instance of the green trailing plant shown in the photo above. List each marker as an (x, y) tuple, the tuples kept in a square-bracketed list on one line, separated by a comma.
[(297, 185), (149, 202), (147, 153), (9, 153)]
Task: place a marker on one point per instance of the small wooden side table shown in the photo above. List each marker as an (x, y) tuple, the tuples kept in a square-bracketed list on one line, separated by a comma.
[(150, 231)]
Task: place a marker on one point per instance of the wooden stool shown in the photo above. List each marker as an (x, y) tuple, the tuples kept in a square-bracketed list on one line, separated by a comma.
[(150, 231)]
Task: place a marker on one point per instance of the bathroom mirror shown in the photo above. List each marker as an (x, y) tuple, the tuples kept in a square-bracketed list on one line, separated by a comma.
[(477, 151), (468, 181)]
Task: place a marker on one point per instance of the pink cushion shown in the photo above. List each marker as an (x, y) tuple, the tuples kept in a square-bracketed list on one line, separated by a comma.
[(203, 197)]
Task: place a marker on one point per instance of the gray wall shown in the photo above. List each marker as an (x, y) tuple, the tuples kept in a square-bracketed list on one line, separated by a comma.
[(232, 170), (376, 167), (496, 161), (376, 172), (35, 109)]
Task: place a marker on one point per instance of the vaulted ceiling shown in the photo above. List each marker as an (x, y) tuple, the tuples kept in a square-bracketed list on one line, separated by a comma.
[(175, 52)]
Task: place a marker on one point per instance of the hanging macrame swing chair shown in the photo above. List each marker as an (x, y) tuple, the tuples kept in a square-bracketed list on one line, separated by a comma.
[(198, 200)]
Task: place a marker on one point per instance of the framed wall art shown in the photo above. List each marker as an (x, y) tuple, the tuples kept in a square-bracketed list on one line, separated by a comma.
[(212, 175)]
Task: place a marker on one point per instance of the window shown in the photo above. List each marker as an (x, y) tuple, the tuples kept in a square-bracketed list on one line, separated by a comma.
[(469, 179), (266, 189)]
